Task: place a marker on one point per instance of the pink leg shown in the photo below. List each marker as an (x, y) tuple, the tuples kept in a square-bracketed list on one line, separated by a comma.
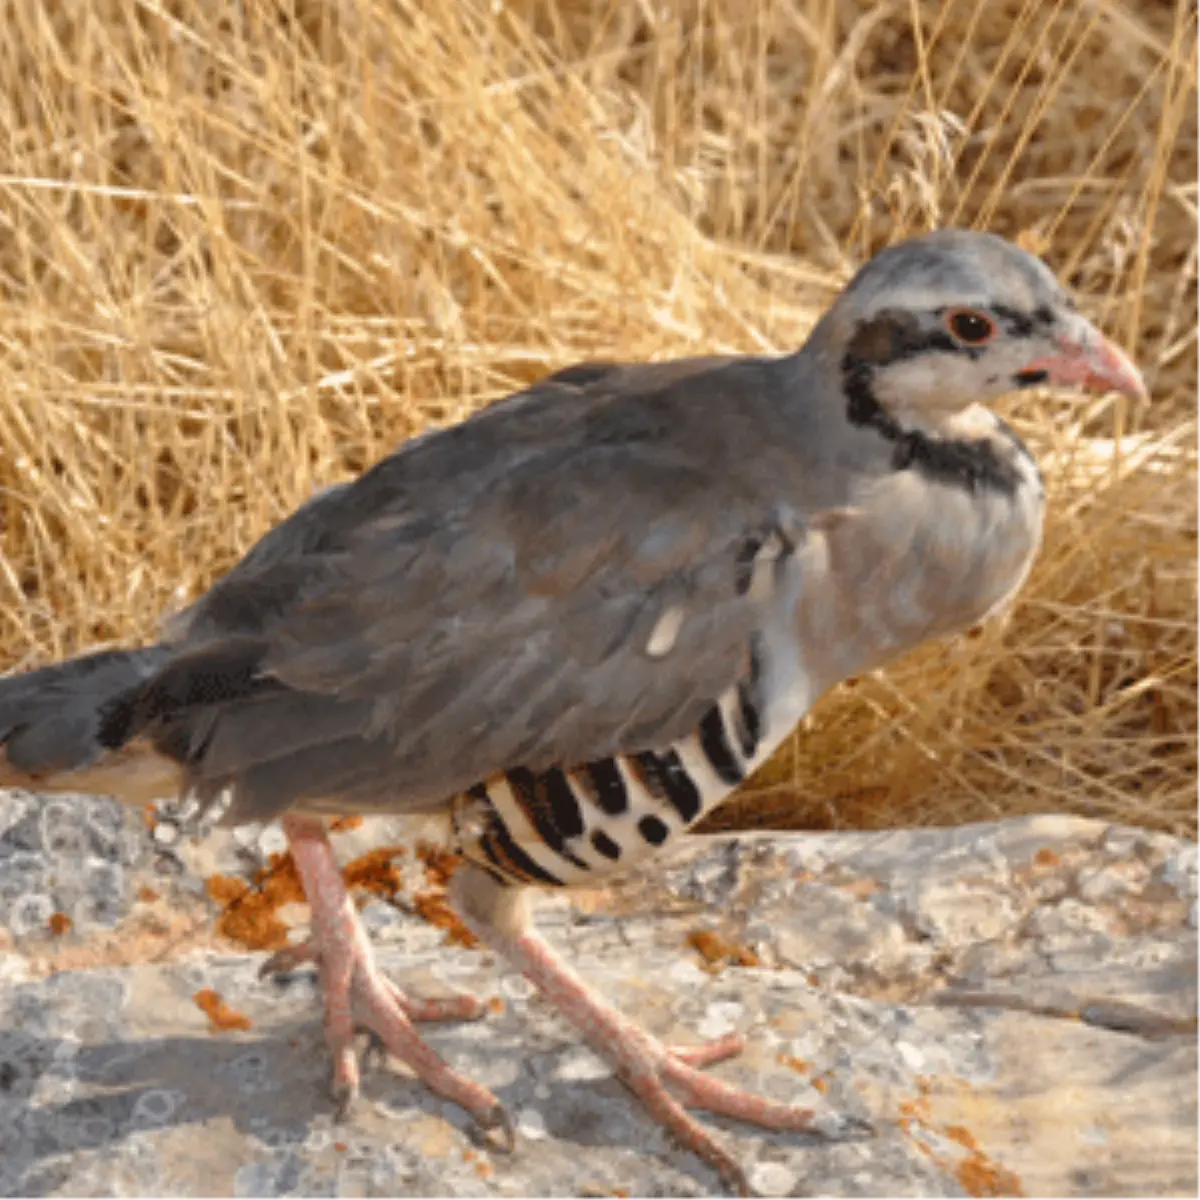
[(643, 1063), (351, 980)]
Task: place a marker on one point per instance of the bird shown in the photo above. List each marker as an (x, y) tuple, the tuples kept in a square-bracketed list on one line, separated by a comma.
[(568, 627)]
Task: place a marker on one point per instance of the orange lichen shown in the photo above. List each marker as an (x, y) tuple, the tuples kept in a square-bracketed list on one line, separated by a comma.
[(374, 872), (146, 894), (719, 951), (250, 912), (221, 1018), (797, 1064), (1046, 858), (432, 907), (483, 1168), (913, 1113), (495, 1005), (439, 862), (150, 815), (962, 1135), (345, 824), (59, 923), (820, 1085), (430, 904), (980, 1176), (976, 1172)]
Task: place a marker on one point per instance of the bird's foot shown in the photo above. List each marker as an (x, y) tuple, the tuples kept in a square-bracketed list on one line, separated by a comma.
[(358, 995), (459, 1007), (653, 1071), (668, 1079), (389, 1016)]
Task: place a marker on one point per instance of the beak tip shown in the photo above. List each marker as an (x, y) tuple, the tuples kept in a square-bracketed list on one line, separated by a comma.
[(1095, 364), (1117, 371)]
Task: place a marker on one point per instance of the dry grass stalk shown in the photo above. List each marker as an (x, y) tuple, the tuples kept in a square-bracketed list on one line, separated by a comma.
[(246, 249)]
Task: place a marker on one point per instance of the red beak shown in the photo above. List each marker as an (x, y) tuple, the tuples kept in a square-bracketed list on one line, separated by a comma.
[(1090, 361)]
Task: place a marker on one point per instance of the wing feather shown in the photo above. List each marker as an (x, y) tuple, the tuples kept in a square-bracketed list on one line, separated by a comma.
[(487, 598)]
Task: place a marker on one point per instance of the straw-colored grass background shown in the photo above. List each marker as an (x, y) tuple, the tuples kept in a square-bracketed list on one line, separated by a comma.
[(245, 249)]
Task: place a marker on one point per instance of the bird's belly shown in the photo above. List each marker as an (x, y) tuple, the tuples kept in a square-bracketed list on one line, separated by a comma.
[(568, 827), (917, 564)]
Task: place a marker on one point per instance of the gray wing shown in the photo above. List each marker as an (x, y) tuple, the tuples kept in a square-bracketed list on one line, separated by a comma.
[(488, 599)]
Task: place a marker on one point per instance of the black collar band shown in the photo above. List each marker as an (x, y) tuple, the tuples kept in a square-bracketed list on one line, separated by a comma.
[(969, 463)]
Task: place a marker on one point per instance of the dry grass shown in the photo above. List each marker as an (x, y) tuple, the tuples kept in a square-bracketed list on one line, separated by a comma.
[(246, 249)]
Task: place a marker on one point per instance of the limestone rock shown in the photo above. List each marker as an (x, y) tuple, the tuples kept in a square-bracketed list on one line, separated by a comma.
[(1013, 1005)]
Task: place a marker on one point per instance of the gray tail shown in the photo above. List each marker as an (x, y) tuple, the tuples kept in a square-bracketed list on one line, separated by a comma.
[(51, 719)]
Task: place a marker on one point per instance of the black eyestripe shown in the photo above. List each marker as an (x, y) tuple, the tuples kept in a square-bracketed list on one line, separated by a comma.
[(1026, 379)]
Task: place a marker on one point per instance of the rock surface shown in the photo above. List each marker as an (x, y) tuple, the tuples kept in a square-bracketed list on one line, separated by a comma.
[(1012, 1005)]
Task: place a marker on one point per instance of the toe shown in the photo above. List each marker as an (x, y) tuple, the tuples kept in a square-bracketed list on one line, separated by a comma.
[(440, 1008), (288, 959), (706, 1053)]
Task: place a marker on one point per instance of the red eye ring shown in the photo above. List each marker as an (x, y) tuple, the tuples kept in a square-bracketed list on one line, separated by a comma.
[(970, 326)]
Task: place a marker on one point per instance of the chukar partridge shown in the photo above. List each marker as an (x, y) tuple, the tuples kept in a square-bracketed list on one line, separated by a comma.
[(573, 623)]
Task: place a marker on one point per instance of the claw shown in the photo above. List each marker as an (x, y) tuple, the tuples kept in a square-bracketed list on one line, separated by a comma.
[(736, 1181), (345, 1095), (495, 1129), (375, 1054)]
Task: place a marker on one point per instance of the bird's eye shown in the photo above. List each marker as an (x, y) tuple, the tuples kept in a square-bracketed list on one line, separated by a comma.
[(970, 326)]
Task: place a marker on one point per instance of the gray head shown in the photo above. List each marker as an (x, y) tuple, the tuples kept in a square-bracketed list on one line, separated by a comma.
[(939, 322)]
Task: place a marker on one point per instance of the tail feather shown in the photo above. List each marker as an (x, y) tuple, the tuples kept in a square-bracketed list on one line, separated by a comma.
[(140, 725), (207, 677), (203, 721), (50, 728)]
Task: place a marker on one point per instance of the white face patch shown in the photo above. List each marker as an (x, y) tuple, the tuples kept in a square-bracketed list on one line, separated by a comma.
[(931, 383)]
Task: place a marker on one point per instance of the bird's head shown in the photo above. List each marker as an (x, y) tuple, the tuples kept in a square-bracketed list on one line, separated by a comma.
[(934, 324)]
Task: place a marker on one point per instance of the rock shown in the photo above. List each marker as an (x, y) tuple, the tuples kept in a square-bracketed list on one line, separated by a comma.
[(1013, 1006)]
